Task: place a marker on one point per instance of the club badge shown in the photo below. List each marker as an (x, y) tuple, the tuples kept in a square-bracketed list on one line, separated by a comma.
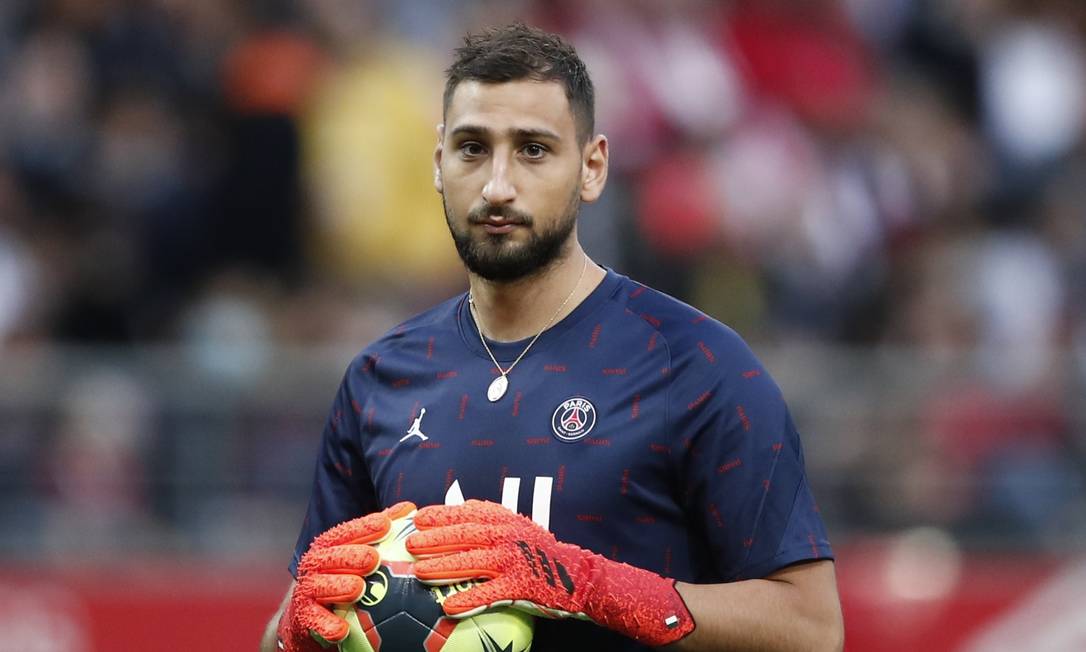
[(573, 419)]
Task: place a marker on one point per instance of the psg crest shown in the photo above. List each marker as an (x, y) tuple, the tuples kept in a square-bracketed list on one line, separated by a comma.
[(573, 419)]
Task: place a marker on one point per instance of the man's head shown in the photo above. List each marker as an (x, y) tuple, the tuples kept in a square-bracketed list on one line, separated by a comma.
[(517, 52), (516, 154)]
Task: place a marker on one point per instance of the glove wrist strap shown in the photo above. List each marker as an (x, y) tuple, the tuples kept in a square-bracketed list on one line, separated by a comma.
[(637, 603)]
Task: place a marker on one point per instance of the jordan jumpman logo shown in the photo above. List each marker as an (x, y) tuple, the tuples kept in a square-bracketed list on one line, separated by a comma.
[(416, 428)]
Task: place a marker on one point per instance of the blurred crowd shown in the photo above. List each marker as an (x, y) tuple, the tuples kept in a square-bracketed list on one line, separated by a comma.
[(851, 175)]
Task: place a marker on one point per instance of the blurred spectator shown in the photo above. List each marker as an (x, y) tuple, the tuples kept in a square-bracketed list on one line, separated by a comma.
[(1034, 96), (45, 125), (19, 268), (805, 55), (95, 468), (268, 78), (16, 281), (97, 303), (369, 138), (227, 330)]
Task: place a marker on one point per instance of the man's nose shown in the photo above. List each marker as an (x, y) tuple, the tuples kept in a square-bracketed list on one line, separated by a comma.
[(499, 189)]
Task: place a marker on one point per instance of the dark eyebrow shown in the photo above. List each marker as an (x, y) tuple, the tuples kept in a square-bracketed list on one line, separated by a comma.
[(520, 134), (536, 134)]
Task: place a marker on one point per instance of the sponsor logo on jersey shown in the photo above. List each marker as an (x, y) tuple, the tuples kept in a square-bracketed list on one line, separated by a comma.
[(416, 428), (573, 419)]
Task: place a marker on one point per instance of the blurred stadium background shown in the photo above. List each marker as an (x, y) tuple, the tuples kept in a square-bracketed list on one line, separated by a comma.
[(207, 207)]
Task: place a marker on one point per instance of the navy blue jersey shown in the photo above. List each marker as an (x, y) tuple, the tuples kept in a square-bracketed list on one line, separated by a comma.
[(636, 427)]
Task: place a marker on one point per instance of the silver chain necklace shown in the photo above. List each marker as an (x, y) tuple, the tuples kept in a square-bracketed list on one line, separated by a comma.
[(500, 384)]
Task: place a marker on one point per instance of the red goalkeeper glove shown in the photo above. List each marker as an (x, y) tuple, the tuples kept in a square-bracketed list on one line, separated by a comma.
[(331, 572), (528, 569)]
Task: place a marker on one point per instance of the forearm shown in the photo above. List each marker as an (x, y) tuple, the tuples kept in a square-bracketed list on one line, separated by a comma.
[(766, 614), (268, 640)]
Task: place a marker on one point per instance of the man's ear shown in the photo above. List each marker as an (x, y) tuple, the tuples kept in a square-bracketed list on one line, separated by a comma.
[(594, 168), (438, 185)]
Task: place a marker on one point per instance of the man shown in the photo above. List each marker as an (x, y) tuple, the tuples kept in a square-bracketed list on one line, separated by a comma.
[(655, 456)]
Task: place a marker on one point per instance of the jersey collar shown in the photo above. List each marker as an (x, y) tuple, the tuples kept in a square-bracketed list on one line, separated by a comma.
[(506, 352)]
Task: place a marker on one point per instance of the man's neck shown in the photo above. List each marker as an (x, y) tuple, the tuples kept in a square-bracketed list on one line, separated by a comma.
[(507, 312)]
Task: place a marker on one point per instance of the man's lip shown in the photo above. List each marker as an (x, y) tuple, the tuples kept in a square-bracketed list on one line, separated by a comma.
[(499, 221)]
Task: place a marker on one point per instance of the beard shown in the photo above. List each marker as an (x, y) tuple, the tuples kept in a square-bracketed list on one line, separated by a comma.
[(497, 257)]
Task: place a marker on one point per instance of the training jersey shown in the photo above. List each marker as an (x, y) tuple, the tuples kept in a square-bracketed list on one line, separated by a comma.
[(636, 427)]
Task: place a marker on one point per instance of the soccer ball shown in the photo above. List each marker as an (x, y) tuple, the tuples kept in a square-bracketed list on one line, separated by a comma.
[(398, 613)]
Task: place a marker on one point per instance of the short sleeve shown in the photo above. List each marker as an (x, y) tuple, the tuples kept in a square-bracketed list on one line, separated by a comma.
[(342, 488), (744, 482)]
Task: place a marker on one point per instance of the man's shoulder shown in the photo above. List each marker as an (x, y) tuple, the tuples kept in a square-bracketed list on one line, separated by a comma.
[(687, 331), (438, 321), (707, 358)]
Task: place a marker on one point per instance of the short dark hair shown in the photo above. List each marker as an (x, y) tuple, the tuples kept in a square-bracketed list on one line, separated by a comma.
[(517, 51)]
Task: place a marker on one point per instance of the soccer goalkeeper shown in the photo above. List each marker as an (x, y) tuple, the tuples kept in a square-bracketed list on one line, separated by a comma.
[(663, 475)]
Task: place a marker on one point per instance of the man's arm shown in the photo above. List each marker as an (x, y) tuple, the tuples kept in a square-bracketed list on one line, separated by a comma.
[(267, 642), (795, 608)]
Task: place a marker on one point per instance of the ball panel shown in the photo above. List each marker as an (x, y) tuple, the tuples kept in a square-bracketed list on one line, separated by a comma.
[(398, 594), (437, 639), (501, 630), (394, 546), (362, 636)]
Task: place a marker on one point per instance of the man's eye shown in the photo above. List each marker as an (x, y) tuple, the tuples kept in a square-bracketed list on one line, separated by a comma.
[(534, 150), (471, 149)]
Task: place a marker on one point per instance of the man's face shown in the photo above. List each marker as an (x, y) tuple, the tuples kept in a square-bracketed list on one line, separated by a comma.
[(511, 174)]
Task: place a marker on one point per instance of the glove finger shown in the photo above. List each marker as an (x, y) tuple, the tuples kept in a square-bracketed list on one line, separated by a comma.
[(399, 510), (454, 538), (472, 511), (332, 589), (462, 566), (365, 529), (315, 618), (500, 592), (353, 559)]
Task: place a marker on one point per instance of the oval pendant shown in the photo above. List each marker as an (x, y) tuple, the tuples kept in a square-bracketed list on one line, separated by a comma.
[(497, 388)]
